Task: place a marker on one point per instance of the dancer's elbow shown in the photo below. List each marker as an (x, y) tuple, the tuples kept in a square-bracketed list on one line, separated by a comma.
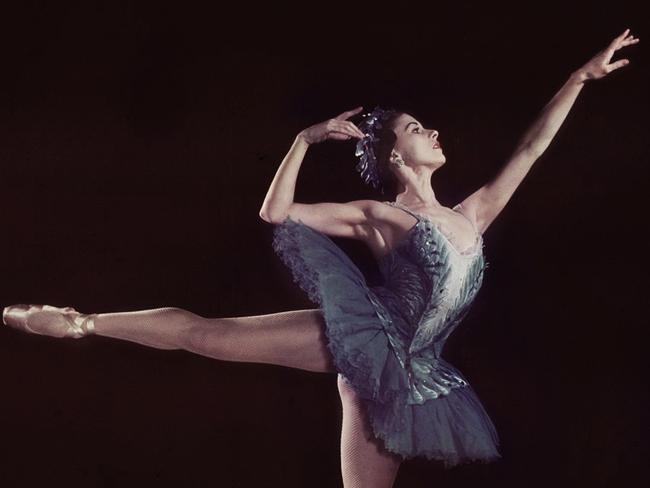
[(272, 218)]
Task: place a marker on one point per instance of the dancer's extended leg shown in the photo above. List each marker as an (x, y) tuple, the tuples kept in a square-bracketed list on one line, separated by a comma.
[(364, 461), (294, 338)]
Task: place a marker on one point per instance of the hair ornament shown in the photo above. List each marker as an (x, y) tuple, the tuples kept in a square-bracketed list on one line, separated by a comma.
[(365, 150)]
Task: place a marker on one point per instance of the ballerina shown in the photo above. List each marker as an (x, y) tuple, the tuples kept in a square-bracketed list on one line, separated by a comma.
[(400, 398)]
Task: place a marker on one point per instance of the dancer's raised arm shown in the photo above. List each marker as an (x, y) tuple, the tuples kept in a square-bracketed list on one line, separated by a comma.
[(339, 219), (488, 201)]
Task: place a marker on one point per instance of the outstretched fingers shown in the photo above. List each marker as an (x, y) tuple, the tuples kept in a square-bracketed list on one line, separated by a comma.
[(619, 42), (623, 40), (349, 113), (618, 64), (628, 41)]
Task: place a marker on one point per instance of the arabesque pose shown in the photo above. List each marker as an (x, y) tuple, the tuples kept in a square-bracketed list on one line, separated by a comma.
[(400, 398)]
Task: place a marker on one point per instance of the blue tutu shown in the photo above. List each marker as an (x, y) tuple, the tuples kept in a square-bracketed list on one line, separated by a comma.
[(386, 340)]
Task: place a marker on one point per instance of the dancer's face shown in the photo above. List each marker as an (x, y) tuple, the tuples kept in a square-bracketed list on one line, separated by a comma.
[(416, 144)]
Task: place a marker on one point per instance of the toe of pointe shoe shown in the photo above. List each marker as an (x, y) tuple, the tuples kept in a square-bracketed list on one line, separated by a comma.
[(16, 316), (74, 324)]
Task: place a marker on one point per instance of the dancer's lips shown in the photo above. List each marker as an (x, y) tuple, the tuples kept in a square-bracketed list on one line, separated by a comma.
[(436, 145)]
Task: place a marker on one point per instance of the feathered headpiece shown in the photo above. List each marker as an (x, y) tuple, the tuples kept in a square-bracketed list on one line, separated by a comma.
[(370, 126)]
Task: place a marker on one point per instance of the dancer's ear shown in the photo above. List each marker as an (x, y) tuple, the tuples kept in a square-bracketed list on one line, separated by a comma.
[(396, 158)]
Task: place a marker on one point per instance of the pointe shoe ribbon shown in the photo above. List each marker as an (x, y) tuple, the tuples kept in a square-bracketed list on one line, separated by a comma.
[(75, 325)]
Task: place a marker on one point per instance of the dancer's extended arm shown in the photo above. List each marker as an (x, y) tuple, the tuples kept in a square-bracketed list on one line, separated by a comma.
[(337, 219), (488, 201)]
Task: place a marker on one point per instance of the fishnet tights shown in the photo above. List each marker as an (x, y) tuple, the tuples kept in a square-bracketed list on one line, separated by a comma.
[(364, 461)]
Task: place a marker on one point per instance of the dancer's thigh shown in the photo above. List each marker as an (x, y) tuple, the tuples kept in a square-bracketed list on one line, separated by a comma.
[(294, 339), (364, 461)]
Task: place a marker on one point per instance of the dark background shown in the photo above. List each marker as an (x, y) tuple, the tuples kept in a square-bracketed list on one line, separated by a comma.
[(137, 143)]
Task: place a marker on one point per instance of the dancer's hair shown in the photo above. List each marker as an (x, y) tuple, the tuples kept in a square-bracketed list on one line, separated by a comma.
[(375, 150)]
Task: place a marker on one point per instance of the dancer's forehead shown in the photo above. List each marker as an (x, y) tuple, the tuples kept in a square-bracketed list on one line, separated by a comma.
[(405, 122)]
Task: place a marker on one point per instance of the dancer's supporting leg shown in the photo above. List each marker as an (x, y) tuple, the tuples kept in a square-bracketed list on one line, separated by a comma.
[(364, 461)]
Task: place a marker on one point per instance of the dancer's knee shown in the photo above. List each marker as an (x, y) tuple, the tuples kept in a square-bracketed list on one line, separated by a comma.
[(216, 338), (182, 323), (180, 317)]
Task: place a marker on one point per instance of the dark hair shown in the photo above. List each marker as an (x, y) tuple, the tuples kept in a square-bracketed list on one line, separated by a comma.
[(383, 148), (382, 143)]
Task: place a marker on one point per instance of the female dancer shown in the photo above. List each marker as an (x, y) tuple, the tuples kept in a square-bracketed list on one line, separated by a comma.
[(400, 398)]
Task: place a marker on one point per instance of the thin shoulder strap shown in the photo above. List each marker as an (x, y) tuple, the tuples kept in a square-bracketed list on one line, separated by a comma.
[(402, 207)]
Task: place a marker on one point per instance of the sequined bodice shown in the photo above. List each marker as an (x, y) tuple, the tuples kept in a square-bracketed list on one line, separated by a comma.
[(429, 286)]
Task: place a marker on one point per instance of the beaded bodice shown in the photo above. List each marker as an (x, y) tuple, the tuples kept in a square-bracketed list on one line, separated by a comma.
[(429, 286)]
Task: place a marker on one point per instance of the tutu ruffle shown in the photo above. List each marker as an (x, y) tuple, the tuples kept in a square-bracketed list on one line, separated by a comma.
[(453, 428)]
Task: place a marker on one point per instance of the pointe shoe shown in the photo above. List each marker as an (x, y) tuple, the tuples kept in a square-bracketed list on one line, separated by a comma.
[(49, 320)]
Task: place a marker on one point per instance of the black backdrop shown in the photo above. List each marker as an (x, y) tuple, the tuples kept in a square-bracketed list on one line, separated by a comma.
[(137, 142)]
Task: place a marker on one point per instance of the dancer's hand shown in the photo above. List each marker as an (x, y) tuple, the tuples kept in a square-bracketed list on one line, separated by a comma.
[(599, 66), (338, 128)]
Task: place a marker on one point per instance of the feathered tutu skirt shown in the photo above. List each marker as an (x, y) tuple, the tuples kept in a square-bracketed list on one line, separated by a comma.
[(453, 428)]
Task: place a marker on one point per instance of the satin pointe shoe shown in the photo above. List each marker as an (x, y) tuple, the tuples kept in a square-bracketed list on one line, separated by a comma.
[(49, 320)]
